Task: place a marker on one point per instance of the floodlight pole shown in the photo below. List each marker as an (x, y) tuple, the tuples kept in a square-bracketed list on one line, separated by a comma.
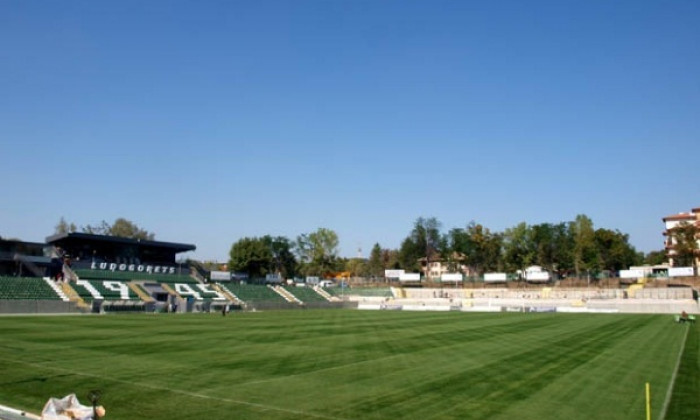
[(588, 284)]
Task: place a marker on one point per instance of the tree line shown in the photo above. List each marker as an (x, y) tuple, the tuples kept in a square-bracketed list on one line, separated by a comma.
[(311, 254), (574, 248), (121, 227), (567, 248)]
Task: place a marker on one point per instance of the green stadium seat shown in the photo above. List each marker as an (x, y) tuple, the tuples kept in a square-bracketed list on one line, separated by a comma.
[(28, 288), (253, 293), (305, 294), (361, 291)]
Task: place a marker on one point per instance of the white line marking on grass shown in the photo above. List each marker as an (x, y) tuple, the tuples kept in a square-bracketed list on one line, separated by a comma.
[(669, 392), (179, 391)]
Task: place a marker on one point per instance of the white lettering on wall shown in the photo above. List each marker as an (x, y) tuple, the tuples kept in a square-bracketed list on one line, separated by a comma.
[(117, 286), (90, 288), (183, 289), (149, 269), (207, 291)]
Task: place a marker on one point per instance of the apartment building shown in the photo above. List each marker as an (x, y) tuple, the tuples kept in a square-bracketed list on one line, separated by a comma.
[(674, 221)]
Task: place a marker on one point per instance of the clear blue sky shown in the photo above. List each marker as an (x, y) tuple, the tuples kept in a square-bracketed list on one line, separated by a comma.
[(207, 121)]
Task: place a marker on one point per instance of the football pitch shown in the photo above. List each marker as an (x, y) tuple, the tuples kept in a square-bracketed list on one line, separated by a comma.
[(345, 364)]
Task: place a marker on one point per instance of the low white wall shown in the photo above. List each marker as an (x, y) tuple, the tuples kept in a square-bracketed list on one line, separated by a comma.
[(651, 306)]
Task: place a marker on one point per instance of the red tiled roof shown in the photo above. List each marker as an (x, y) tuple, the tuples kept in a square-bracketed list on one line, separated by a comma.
[(693, 215), (679, 217)]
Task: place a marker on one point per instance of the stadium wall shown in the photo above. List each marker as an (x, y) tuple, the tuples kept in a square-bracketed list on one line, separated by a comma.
[(273, 305), (37, 307)]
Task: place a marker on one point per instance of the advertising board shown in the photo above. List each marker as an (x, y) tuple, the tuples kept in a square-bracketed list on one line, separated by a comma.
[(409, 277), (220, 276), (680, 271), (393, 274), (631, 274), (451, 277), (537, 276), (495, 277)]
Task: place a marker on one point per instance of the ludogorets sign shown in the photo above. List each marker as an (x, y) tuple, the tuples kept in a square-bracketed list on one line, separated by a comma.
[(148, 269)]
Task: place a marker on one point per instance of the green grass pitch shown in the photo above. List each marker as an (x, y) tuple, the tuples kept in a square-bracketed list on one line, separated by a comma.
[(344, 364)]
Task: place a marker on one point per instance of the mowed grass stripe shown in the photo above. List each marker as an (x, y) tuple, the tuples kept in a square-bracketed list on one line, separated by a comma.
[(340, 364), (610, 383), (685, 400), (183, 393), (497, 382)]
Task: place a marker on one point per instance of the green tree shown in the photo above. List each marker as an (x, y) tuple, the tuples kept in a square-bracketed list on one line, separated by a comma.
[(409, 254), (64, 227), (357, 267), (103, 228), (460, 250), (252, 256), (121, 227), (318, 252), (486, 250), (585, 255), (283, 261), (518, 252), (543, 245), (614, 250), (476, 246), (127, 229), (390, 259), (656, 257), (563, 248), (685, 245), (424, 241), (375, 265), (258, 257)]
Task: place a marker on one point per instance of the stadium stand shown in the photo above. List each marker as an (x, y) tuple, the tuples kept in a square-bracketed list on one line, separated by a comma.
[(133, 276), (288, 296), (140, 292), (361, 291), (103, 289), (225, 293), (305, 294), (253, 293), (324, 293), (198, 291), (33, 288), (110, 295)]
